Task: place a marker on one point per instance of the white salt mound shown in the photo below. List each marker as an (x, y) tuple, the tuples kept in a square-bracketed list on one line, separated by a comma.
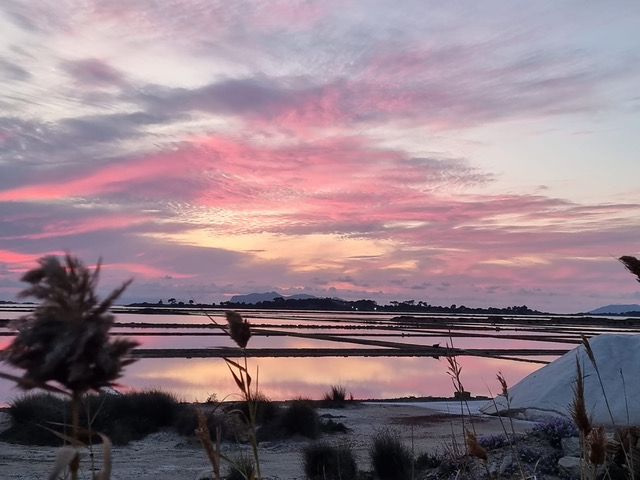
[(548, 392)]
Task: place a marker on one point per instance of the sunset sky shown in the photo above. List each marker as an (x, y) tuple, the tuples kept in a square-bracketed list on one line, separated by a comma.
[(476, 153)]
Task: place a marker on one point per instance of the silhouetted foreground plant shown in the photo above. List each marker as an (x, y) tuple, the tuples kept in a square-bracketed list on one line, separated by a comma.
[(335, 398), (240, 332), (632, 264), (323, 461), (66, 339)]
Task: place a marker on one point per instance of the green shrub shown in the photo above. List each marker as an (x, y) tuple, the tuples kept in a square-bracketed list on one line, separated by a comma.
[(301, 418), (328, 462), (391, 460)]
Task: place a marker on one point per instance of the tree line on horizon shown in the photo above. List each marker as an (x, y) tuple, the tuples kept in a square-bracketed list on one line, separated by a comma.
[(335, 304)]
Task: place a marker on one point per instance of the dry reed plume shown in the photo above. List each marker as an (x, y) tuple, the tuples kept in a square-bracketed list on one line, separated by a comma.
[(66, 340), (239, 330), (632, 264)]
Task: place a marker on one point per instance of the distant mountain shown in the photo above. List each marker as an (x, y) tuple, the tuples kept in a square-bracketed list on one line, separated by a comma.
[(615, 309), (300, 296), (253, 298)]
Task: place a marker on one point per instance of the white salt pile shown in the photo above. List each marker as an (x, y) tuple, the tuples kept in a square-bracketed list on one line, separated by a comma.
[(548, 392)]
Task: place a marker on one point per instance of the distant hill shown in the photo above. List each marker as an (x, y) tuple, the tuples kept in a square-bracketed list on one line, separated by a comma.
[(253, 298), (615, 309), (300, 296)]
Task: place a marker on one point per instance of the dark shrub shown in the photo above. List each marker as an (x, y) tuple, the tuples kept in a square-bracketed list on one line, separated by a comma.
[(241, 469), (427, 461), (301, 418), (132, 416), (185, 420), (328, 462), (121, 417), (391, 460), (266, 410), (31, 413)]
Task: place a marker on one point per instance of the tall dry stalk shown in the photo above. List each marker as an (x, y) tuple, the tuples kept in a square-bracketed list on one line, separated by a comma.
[(66, 338), (504, 391), (239, 330), (204, 435), (626, 449), (581, 417), (454, 370)]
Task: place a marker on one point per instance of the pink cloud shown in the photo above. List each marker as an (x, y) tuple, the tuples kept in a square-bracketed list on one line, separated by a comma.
[(145, 270), (63, 228), (108, 179)]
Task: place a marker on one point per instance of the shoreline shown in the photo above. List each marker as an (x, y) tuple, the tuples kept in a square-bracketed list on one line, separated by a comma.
[(165, 455)]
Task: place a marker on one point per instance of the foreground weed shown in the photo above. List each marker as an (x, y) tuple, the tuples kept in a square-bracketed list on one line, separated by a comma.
[(510, 436), (239, 330), (592, 441), (66, 340)]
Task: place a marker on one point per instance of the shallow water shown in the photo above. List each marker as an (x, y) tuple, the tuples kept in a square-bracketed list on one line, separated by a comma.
[(285, 378)]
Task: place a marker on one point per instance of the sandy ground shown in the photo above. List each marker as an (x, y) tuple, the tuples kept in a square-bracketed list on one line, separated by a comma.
[(168, 456)]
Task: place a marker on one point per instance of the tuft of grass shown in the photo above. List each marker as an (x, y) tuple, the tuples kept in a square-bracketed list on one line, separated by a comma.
[(240, 468), (391, 460), (335, 398), (323, 461), (301, 418)]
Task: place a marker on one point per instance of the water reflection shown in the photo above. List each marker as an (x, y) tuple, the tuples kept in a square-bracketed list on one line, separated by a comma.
[(285, 378)]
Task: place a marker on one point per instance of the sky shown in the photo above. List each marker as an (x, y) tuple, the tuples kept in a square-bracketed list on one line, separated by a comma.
[(469, 153)]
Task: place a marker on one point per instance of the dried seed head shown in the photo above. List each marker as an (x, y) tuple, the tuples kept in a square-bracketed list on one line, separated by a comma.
[(589, 350), (474, 448), (632, 264), (597, 441), (578, 407), (239, 329), (503, 385)]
